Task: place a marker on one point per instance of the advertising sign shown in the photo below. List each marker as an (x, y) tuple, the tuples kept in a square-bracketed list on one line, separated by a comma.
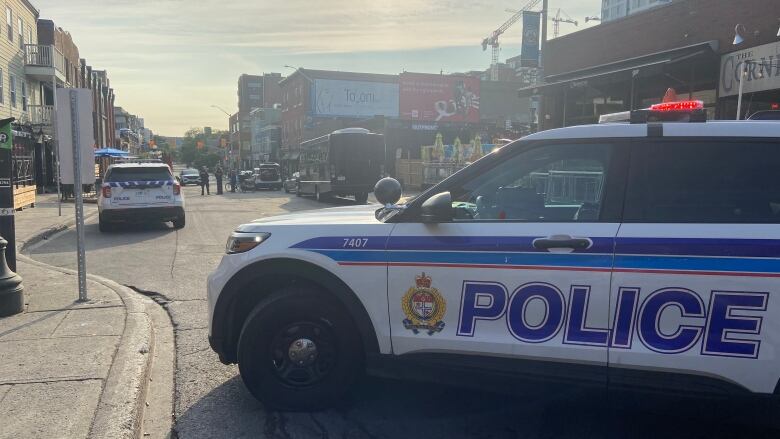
[(333, 97), (439, 98), (763, 69), (529, 51)]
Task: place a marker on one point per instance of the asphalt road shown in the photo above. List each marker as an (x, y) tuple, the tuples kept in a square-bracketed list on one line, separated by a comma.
[(211, 401)]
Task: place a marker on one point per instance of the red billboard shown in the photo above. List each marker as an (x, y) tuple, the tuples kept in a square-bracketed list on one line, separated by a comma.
[(439, 98)]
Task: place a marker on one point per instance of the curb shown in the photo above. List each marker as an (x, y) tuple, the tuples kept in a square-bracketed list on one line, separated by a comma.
[(24, 244), (119, 412)]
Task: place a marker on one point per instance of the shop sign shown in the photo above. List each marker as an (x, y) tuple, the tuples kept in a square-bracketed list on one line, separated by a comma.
[(338, 98), (763, 69), (439, 98)]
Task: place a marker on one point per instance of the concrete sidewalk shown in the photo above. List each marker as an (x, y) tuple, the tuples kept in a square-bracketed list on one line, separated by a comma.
[(42, 221), (72, 369)]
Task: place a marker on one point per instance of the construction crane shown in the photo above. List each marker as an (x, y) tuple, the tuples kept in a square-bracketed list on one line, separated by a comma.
[(557, 20), (492, 40)]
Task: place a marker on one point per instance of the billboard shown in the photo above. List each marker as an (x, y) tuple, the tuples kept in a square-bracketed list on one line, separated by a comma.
[(339, 98), (529, 51), (439, 98)]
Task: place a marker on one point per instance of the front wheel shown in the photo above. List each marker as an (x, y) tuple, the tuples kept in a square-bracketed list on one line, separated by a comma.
[(361, 198), (298, 350)]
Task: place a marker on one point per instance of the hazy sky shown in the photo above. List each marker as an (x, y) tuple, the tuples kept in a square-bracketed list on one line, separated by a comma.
[(169, 60)]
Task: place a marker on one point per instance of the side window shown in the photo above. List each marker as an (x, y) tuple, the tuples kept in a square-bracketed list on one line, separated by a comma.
[(720, 181), (549, 183)]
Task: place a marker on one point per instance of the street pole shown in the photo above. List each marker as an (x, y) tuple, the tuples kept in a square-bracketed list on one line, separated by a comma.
[(11, 289), (56, 142), (743, 77), (79, 201), (7, 225)]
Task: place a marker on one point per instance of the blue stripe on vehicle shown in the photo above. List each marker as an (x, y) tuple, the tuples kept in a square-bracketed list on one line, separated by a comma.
[(479, 258), (761, 248), (671, 263)]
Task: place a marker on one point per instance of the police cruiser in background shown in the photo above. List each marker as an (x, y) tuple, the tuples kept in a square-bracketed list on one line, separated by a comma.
[(642, 255), (140, 192)]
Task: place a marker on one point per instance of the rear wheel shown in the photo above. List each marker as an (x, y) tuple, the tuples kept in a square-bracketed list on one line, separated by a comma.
[(104, 226), (179, 222), (361, 198), (299, 351)]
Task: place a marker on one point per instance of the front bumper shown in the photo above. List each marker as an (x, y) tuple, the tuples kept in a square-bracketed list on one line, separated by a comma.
[(141, 214)]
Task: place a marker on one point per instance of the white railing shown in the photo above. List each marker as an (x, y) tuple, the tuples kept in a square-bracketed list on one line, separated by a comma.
[(44, 56), (40, 114)]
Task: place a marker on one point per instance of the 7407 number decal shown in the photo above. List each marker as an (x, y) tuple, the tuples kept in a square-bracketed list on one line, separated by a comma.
[(355, 243)]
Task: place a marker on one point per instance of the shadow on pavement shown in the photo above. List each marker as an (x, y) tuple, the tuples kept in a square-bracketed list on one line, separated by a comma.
[(384, 408), (123, 234)]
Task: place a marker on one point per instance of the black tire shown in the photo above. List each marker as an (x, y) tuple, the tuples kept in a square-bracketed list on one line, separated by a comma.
[(361, 198), (104, 226), (318, 195), (269, 335), (179, 222)]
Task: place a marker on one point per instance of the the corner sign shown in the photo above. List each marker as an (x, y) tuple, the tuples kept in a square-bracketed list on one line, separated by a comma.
[(763, 70), (5, 182)]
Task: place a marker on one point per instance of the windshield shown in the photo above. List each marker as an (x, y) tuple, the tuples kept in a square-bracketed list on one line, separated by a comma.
[(249, 269)]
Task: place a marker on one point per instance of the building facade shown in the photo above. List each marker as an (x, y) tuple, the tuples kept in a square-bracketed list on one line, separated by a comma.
[(614, 9), (615, 67), (254, 91), (266, 135)]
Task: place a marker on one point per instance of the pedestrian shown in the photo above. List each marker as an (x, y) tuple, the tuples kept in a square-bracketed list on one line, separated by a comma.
[(218, 174), (233, 176), (204, 181)]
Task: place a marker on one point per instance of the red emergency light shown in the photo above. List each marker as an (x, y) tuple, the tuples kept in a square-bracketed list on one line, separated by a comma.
[(677, 106), (775, 106)]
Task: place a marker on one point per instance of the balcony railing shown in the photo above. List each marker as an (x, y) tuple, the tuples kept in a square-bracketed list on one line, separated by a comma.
[(40, 114), (36, 55)]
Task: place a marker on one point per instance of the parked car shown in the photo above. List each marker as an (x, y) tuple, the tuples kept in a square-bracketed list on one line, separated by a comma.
[(140, 192), (291, 184), (189, 176), (268, 176)]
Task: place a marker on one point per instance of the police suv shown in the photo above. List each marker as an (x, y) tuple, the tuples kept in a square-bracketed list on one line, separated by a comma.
[(630, 255), (140, 192)]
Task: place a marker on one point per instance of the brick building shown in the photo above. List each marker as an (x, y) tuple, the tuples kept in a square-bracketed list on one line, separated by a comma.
[(630, 63)]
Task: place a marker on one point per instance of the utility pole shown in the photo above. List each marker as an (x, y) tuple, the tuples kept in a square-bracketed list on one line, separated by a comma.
[(542, 61)]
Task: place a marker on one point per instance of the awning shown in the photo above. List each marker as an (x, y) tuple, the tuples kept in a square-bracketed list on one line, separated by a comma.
[(625, 68)]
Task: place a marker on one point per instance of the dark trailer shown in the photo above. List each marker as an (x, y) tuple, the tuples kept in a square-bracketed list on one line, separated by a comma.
[(347, 162)]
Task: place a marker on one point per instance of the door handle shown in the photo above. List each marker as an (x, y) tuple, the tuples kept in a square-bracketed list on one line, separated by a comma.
[(562, 241)]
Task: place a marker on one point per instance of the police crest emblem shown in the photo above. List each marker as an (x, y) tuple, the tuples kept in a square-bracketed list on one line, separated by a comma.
[(424, 307)]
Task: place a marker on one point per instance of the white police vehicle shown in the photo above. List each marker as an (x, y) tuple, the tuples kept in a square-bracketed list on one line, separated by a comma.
[(642, 255), (140, 192)]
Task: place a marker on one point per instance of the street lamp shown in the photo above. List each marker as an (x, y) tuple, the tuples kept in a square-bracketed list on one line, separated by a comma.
[(300, 70), (222, 110)]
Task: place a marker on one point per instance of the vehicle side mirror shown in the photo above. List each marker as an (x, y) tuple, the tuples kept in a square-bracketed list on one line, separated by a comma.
[(388, 191), (437, 209)]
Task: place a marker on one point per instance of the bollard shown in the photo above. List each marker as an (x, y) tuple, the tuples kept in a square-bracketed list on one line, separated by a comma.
[(11, 289)]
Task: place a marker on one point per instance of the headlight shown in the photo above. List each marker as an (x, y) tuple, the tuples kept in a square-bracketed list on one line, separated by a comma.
[(243, 242)]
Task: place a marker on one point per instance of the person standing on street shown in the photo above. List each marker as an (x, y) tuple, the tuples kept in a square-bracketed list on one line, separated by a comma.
[(204, 181), (218, 174), (233, 176)]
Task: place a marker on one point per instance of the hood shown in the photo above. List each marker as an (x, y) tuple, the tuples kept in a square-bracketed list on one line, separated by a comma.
[(363, 214)]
